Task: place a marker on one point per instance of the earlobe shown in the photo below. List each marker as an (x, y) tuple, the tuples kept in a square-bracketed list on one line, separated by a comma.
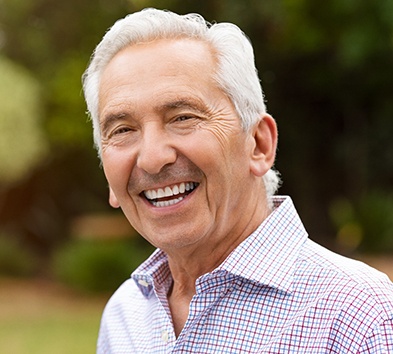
[(265, 144), (114, 203)]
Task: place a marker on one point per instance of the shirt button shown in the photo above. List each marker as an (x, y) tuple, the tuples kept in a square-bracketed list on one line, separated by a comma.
[(143, 282), (165, 336)]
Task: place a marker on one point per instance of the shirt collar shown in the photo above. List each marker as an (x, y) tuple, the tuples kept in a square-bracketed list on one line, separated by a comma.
[(267, 256), (154, 273)]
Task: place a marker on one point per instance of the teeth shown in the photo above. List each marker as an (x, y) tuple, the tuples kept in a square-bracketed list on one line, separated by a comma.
[(169, 192), (167, 202), (160, 193)]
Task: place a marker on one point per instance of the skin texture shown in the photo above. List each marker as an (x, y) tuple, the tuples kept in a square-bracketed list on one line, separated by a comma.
[(164, 121)]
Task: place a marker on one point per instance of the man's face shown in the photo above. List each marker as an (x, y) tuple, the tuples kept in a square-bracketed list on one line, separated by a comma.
[(173, 150)]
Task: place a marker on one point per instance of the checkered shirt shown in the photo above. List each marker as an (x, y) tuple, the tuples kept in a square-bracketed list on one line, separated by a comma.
[(277, 292)]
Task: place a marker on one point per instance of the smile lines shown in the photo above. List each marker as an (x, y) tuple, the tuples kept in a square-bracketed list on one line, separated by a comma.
[(166, 194)]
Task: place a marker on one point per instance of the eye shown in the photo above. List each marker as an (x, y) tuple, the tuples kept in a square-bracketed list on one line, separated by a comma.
[(183, 118), (120, 131)]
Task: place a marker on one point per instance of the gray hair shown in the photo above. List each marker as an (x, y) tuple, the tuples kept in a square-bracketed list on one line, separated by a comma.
[(236, 74)]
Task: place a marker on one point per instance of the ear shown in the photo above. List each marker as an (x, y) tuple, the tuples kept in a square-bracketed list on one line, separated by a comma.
[(264, 136), (114, 203)]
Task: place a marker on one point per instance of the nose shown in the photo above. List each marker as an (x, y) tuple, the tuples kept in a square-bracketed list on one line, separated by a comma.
[(155, 150)]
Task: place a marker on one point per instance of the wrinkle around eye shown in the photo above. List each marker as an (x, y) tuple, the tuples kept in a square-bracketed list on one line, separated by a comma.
[(225, 127), (186, 123), (122, 135)]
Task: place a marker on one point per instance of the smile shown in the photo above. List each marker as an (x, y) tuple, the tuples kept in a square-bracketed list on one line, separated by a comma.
[(163, 197)]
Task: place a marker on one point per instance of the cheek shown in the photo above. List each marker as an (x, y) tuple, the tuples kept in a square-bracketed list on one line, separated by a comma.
[(226, 140), (214, 158), (117, 169)]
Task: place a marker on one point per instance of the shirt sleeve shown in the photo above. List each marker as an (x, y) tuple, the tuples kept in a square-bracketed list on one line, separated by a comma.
[(381, 339)]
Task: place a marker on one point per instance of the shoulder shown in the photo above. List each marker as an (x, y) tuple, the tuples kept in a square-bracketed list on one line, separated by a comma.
[(347, 280), (352, 301)]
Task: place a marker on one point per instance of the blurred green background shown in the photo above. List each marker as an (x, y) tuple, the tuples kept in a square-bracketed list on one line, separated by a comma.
[(326, 69)]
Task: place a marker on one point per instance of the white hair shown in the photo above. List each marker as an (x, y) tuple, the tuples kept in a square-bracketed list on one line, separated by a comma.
[(236, 74)]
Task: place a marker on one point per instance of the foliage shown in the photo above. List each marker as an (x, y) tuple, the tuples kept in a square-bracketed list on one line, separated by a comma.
[(53, 40), (67, 125), (15, 260), (99, 265), (365, 224), (22, 142)]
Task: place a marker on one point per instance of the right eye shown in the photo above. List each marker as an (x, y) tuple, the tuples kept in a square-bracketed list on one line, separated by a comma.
[(121, 130)]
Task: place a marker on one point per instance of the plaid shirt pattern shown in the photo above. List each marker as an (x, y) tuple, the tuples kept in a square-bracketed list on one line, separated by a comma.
[(277, 292)]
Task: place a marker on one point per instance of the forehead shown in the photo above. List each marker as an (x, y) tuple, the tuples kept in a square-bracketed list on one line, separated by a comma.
[(157, 68), (174, 56)]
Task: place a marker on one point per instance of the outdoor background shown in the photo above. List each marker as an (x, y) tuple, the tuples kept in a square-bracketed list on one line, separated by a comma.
[(326, 70)]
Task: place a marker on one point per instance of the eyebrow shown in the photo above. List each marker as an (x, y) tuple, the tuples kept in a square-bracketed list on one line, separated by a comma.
[(187, 103)]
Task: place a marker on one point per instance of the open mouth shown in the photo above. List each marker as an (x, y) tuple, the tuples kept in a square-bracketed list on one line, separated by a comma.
[(163, 197)]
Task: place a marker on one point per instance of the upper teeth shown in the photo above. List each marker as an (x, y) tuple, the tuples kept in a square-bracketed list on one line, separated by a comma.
[(169, 191)]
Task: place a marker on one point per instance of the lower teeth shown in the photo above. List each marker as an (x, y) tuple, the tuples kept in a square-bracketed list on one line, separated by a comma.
[(167, 202)]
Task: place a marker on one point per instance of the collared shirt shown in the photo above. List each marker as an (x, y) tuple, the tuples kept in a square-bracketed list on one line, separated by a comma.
[(277, 292)]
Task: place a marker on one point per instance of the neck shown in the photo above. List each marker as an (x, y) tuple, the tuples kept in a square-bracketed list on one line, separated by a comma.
[(187, 264), (185, 271)]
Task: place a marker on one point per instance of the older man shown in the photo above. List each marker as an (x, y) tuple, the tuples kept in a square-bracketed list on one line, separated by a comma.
[(188, 148)]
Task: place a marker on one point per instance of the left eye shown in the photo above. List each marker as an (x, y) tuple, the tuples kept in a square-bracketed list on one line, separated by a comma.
[(183, 118)]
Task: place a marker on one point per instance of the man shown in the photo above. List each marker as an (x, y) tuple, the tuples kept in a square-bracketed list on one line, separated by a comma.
[(188, 148)]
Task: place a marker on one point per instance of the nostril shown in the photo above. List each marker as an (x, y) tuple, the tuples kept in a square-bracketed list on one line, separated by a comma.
[(153, 159)]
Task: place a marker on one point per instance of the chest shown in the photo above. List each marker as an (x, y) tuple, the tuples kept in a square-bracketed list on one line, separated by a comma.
[(236, 318)]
